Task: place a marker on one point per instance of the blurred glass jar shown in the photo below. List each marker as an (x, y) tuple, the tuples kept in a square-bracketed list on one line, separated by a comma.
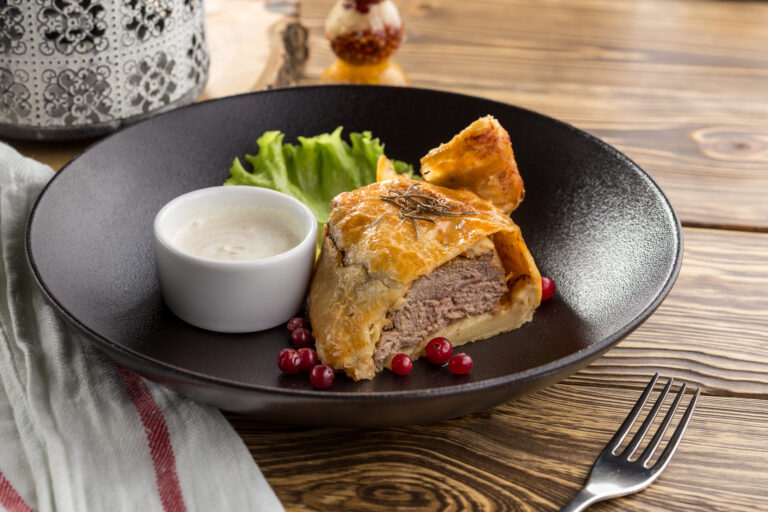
[(364, 34), (79, 68)]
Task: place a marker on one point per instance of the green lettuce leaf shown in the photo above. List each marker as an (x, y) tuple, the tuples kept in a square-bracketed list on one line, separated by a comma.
[(315, 170)]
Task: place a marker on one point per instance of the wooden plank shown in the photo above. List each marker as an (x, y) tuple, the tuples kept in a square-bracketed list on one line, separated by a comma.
[(713, 327), (530, 454), (245, 40), (680, 86)]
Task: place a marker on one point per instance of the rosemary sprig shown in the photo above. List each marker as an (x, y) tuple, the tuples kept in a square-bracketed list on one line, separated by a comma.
[(414, 206), (378, 220)]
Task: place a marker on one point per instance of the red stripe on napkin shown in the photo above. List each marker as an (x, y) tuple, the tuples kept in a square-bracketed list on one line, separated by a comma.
[(9, 498), (159, 441)]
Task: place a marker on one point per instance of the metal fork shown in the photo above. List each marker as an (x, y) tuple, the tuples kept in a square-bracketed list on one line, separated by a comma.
[(614, 474)]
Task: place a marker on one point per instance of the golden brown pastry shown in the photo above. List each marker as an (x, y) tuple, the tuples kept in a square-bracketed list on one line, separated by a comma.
[(479, 158), (392, 275)]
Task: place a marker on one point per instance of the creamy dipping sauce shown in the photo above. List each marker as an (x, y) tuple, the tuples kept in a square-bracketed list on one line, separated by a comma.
[(237, 233)]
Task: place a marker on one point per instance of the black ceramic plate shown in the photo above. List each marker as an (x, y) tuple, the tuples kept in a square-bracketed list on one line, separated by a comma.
[(594, 221)]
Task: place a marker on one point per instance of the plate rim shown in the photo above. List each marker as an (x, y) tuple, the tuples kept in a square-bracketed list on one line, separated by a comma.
[(537, 372)]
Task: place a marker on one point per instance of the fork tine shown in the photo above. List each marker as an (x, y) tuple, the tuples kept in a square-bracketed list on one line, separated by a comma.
[(632, 448), (620, 434), (657, 437), (666, 455)]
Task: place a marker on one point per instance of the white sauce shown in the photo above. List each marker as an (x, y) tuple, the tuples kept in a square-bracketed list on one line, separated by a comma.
[(237, 234), (343, 20)]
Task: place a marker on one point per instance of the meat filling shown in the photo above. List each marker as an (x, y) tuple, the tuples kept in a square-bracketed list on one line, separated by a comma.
[(460, 288)]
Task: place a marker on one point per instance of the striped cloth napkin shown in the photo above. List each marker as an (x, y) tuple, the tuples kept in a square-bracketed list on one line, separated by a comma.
[(79, 432)]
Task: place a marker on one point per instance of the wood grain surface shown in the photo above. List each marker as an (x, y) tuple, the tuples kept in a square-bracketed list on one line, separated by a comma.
[(531, 454), (681, 86), (712, 330)]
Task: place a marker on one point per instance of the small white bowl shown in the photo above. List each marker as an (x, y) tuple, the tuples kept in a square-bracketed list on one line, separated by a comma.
[(234, 296)]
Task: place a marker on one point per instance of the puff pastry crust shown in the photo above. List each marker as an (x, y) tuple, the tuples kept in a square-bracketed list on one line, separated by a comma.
[(481, 159), (371, 257)]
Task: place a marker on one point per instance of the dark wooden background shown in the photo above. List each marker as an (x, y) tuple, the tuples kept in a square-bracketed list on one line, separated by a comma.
[(681, 86)]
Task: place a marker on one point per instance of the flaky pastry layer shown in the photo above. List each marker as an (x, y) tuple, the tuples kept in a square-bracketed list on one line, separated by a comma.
[(370, 258)]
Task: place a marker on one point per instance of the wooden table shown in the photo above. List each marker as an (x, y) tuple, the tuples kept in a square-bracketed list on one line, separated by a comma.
[(682, 88)]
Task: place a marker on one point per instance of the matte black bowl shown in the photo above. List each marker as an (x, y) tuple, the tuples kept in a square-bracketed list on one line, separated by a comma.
[(595, 222)]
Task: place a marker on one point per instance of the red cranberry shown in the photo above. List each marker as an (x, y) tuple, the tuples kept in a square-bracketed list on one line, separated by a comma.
[(363, 6), (321, 376), (296, 322), (289, 361), (402, 364), (439, 350), (301, 337), (460, 364), (308, 358), (547, 288)]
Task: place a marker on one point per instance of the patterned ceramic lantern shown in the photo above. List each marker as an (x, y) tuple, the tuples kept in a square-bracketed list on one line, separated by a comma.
[(78, 68)]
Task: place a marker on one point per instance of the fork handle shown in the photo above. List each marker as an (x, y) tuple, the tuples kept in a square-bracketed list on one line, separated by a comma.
[(581, 501)]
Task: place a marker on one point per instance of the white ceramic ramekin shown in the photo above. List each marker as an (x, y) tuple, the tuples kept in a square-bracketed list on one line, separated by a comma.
[(233, 296)]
